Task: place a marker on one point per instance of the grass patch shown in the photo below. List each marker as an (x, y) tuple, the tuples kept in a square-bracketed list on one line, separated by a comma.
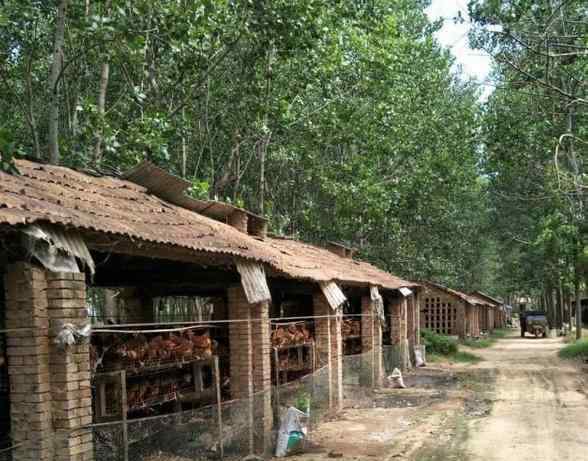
[(488, 341), (442, 348), (500, 333), (478, 343), (576, 350), (438, 344), (465, 357), (571, 336)]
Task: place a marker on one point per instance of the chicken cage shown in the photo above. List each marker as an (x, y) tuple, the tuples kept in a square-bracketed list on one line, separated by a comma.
[(351, 327), (293, 350), (148, 373)]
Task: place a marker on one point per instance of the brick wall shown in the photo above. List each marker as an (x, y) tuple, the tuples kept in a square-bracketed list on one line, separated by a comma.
[(330, 346), (439, 311)]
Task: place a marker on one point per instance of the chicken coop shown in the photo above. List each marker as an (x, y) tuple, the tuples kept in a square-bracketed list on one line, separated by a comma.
[(450, 312), (126, 301)]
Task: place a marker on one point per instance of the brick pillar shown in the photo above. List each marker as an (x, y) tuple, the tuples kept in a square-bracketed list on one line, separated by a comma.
[(249, 343), (371, 341), (71, 390), (262, 384), (240, 339), (330, 346), (398, 330), (462, 320), (410, 321), (28, 363), (417, 313)]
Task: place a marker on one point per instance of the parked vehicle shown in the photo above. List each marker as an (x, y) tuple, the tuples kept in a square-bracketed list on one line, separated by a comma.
[(534, 322)]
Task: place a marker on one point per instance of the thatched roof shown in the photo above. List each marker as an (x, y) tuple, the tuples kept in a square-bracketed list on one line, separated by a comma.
[(124, 210)]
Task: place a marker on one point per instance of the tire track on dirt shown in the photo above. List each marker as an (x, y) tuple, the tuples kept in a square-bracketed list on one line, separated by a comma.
[(539, 414)]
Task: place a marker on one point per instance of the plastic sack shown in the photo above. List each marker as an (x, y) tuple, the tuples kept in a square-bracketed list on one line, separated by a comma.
[(395, 380), (291, 433), (70, 334), (419, 356)]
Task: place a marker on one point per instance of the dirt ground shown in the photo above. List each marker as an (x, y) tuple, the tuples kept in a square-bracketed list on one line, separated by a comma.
[(540, 408), (520, 403)]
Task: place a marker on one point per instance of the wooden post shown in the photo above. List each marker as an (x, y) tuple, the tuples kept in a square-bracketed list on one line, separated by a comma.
[(125, 428), (373, 351), (277, 374), (329, 362), (219, 407)]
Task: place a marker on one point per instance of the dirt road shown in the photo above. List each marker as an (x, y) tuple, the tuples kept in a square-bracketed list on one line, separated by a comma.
[(520, 403), (540, 410)]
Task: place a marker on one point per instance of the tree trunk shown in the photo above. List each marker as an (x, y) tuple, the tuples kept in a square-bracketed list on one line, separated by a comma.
[(31, 119), (54, 77), (184, 148), (578, 308), (559, 307), (104, 75)]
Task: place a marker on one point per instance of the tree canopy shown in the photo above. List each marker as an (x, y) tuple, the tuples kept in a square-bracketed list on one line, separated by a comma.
[(341, 121)]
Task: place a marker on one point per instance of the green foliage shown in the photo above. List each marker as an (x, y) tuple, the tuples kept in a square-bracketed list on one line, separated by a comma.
[(534, 135), (303, 401), (7, 153), (438, 344), (457, 357), (365, 132), (576, 350)]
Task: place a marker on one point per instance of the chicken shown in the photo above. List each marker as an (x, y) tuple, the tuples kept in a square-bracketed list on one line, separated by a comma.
[(290, 335), (184, 349)]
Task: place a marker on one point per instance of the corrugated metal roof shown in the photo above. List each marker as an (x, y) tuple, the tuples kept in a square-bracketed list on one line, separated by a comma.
[(68, 198), (254, 282), (306, 261), (463, 296), (173, 189), (489, 299), (62, 196), (333, 293)]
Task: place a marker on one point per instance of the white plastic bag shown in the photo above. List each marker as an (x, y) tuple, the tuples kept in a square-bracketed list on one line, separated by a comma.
[(419, 356), (291, 424), (395, 380)]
